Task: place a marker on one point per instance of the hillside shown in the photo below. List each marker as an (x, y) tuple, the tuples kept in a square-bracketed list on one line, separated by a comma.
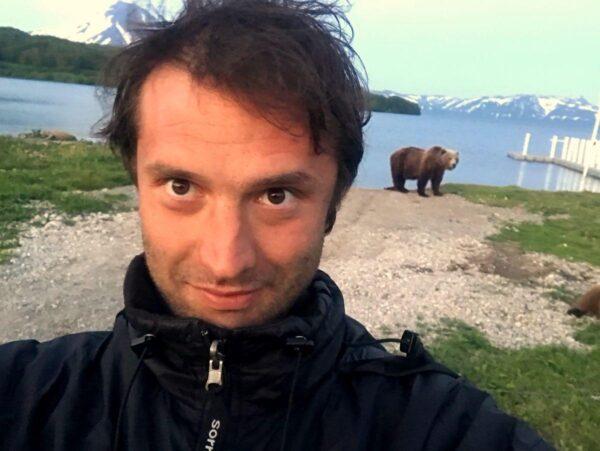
[(50, 58), (393, 104)]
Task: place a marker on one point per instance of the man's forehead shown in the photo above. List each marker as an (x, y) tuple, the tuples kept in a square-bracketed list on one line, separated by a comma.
[(174, 104)]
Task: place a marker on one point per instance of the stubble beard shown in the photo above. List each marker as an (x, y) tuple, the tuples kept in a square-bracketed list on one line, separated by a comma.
[(282, 285)]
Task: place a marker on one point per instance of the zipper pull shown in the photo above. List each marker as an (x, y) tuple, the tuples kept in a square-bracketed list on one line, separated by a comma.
[(214, 381)]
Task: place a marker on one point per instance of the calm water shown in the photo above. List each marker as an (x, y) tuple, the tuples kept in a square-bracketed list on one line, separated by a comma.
[(483, 144), (29, 104)]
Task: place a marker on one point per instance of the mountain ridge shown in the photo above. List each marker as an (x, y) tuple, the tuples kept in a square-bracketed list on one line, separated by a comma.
[(520, 106)]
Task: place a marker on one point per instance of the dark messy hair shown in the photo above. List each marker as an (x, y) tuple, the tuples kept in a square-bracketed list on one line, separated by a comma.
[(288, 59)]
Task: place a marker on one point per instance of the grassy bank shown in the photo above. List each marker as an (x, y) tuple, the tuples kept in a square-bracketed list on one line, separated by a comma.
[(39, 176), (571, 226), (12, 70), (555, 389)]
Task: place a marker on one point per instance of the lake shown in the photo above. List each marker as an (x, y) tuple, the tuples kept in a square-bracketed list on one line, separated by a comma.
[(483, 144)]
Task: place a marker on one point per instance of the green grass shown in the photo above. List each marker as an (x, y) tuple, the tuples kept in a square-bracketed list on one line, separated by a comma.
[(34, 173), (590, 335), (555, 389), (563, 294), (571, 225), (14, 70)]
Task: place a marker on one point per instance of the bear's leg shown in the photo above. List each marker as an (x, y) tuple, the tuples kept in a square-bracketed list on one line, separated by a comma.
[(435, 184), (400, 185), (421, 184), (399, 182)]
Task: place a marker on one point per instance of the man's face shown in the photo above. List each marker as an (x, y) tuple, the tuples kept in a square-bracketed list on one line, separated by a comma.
[(232, 208)]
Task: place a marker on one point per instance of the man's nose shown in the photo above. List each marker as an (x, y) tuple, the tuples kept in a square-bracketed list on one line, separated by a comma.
[(227, 242)]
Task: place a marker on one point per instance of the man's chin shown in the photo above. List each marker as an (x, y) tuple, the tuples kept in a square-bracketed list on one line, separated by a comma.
[(232, 319)]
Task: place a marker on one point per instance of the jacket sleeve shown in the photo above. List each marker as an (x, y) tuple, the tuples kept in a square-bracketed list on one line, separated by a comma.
[(493, 429), (33, 379), (15, 358), (480, 424)]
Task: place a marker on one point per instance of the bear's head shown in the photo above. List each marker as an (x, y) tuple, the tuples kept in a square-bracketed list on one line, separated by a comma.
[(450, 158)]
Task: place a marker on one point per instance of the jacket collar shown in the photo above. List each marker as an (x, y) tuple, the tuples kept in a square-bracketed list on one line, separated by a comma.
[(257, 358)]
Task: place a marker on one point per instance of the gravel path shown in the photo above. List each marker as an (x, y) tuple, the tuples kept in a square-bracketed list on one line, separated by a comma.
[(401, 261)]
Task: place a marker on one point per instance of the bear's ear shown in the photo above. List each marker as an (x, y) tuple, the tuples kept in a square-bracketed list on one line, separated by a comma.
[(443, 151)]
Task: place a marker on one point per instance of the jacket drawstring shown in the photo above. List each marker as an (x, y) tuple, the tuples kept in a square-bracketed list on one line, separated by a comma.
[(143, 342), (298, 344), (410, 346), (407, 342)]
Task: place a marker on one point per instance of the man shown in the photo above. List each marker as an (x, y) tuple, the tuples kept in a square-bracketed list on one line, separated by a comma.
[(241, 125)]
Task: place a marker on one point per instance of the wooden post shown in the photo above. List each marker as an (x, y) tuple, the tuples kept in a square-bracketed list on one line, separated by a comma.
[(596, 126), (582, 145), (573, 149), (526, 143), (554, 142), (565, 148)]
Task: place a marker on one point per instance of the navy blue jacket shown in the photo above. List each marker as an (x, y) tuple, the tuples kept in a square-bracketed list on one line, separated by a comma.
[(315, 380)]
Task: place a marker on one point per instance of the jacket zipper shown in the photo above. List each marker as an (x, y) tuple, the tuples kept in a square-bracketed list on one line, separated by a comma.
[(215, 368), (214, 414)]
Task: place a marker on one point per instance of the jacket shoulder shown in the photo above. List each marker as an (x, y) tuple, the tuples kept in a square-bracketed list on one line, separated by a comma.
[(434, 407), (452, 411), (33, 365), (26, 352), (429, 408)]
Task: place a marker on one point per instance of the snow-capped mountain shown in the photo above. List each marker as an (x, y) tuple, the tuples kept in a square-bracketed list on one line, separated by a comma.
[(510, 107), (119, 25)]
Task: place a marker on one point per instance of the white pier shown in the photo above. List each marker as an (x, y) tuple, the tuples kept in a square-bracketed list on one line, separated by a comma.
[(581, 155)]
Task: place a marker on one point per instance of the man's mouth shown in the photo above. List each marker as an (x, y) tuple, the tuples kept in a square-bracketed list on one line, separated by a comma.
[(228, 299)]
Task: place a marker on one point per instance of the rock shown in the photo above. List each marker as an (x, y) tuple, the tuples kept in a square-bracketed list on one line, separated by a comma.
[(57, 135), (52, 135)]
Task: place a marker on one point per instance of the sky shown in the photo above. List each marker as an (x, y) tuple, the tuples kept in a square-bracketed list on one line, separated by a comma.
[(462, 48)]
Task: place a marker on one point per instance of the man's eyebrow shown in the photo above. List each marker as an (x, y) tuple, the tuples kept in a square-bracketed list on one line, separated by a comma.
[(162, 170), (292, 178)]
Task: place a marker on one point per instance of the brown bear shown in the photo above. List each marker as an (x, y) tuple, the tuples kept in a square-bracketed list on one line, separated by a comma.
[(410, 163), (588, 304)]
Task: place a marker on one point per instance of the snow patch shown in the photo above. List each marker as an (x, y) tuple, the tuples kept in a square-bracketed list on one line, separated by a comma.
[(549, 104)]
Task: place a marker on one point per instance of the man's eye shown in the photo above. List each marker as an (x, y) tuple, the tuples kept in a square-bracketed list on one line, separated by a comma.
[(179, 187), (276, 196)]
